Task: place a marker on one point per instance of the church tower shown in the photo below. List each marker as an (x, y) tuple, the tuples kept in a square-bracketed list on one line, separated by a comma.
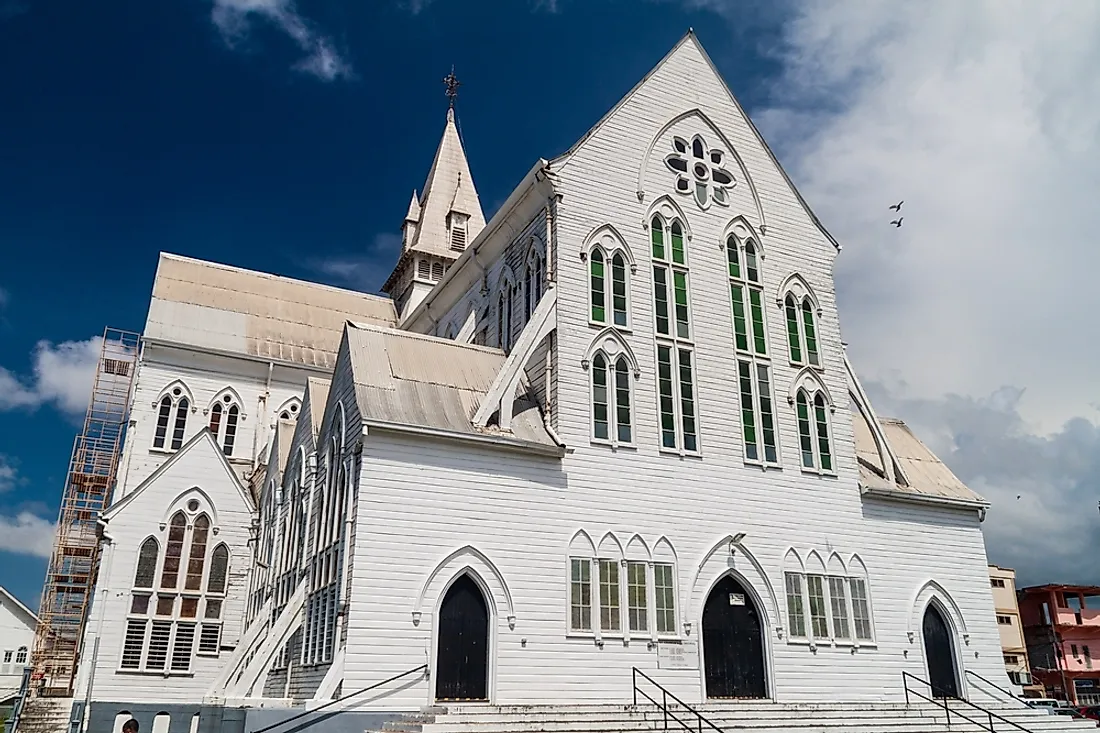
[(439, 224)]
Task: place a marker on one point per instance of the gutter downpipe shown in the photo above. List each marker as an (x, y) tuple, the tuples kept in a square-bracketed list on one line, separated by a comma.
[(261, 410), (551, 279)]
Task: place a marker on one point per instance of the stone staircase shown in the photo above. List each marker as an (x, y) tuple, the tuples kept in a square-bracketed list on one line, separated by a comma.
[(45, 715), (750, 717)]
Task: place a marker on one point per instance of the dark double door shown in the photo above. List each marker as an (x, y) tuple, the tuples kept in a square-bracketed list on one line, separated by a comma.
[(939, 653), (733, 643), (462, 660)]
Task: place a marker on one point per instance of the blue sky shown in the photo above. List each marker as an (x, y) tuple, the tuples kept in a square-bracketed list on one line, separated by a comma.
[(288, 137)]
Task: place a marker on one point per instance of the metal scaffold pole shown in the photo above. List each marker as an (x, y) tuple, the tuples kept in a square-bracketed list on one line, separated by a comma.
[(70, 578)]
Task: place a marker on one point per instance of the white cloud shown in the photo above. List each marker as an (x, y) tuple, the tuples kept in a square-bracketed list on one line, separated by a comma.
[(62, 376), (234, 18), (8, 474), (26, 534)]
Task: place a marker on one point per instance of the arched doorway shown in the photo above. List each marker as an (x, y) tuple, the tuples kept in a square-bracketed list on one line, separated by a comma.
[(462, 659), (733, 643), (939, 653)]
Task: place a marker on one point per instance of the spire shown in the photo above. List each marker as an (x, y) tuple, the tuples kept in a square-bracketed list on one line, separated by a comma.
[(414, 209)]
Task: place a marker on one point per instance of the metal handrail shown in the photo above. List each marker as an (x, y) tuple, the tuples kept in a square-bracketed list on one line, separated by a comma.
[(997, 687), (665, 694), (906, 676), (376, 685)]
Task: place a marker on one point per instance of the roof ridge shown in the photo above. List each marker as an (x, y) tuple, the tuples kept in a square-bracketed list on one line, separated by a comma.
[(19, 604), (425, 337)]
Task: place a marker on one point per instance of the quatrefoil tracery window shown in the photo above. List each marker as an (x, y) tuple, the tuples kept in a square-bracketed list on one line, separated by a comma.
[(700, 171)]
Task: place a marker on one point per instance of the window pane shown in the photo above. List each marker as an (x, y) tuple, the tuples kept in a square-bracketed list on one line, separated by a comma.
[(750, 262), (660, 299), (181, 423), (823, 434), (804, 440), (599, 296), (668, 409), (811, 333), (189, 608), (198, 553), (838, 603), (580, 595), (748, 410), (677, 233), (169, 576), (622, 400), (861, 609), (147, 564), (219, 567), (731, 256), (609, 596), (666, 598), (134, 643), (158, 645), (740, 325), (139, 605), (618, 289), (796, 614), (657, 230), (162, 422), (181, 648), (767, 420), (165, 605), (599, 397), (636, 596), (816, 586), (215, 419), (681, 292), (231, 429), (213, 608), (794, 339), (759, 338), (687, 402), (209, 638)]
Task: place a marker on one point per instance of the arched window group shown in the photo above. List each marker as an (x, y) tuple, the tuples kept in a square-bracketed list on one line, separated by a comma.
[(608, 288), (289, 410), (172, 408), (177, 597), (505, 309), (612, 399), (225, 414), (13, 661), (827, 603), (801, 331), (534, 278), (812, 409)]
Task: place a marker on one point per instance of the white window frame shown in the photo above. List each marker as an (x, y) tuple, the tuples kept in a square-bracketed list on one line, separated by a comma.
[(754, 365), (813, 390), (746, 285), (831, 638), (611, 364), (675, 348), (175, 392), (629, 268), (596, 631), (227, 399), (800, 303)]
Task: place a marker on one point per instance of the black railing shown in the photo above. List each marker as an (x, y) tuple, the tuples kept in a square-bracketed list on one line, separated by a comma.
[(944, 702), (696, 725), (995, 686), (319, 708)]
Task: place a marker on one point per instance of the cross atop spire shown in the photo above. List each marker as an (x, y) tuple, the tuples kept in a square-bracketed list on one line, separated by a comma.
[(453, 84)]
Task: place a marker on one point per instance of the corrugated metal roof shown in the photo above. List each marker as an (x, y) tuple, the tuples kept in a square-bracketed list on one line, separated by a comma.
[(421, 381), (213, 306), (928, 476)]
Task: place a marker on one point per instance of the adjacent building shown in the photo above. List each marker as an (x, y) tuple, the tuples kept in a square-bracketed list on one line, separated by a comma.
[(1062, 632), (1003, 583), (17, 625)]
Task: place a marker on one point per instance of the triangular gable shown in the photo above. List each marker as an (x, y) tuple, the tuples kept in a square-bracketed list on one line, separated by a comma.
[(203, 441), (18, 605), (690, 37)]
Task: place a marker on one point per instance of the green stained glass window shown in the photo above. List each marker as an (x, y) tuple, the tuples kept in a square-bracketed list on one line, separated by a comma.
[(677, 233), (811, 333), (751, 268), (622, 400), (767, 418), (794, 339), (618, 289), (732, 256), (667, 400), (680, 290), (660, 297), (756, 305), (748, 410), (822, 434), (598, 288), (657, 236), (805, 441), (740, 325), (687, 402), (599, 397)]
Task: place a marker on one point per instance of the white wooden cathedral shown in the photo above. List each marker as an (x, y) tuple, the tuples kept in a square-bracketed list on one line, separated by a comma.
[(613, 427)]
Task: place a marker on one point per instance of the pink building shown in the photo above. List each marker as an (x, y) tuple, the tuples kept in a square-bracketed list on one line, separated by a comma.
[(1062, 630)]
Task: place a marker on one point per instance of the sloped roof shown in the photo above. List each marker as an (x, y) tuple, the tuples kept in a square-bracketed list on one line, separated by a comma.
[(450, 187), (284, 437), (18, 605), (417, 381), (216, 307), (317, 392), (928, 477)]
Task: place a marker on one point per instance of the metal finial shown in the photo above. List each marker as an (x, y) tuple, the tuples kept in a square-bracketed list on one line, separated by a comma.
[(453, 84)]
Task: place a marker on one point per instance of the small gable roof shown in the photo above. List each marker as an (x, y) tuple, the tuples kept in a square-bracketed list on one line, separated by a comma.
[(417, 381), (317, 396), (11, 601)]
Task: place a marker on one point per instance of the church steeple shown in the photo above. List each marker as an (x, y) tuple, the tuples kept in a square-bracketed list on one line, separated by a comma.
[(439, 226)]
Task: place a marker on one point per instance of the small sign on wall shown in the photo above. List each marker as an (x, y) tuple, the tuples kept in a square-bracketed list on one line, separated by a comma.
[(678, 655), (737, 599)]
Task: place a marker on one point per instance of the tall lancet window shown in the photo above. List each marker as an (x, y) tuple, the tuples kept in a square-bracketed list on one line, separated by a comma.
[(675, 351), (172, 408), (802, 342), (225, 414)]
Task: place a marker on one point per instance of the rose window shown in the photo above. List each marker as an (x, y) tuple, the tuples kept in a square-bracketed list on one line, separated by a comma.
[(700, 171)]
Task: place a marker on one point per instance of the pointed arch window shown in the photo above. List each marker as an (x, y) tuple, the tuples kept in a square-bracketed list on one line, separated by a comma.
[(802, 340), (168, 625), (327, 565), (612, 400), (814, 431), (747, 296), (172, 409), (505, 309), (290, 409), (225, 415), (608, 283), (828, 606), (675, 353), (533, 281)]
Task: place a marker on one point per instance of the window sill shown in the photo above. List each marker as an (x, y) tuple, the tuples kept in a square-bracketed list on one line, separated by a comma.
[(618, 329), (680, 453), (764, 466), (164, 451), (818, 472), (613, 445), (837, 643), (153, 673)]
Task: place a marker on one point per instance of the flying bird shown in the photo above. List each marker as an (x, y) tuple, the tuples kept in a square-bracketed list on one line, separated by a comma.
[(897, 206), (897, 222)]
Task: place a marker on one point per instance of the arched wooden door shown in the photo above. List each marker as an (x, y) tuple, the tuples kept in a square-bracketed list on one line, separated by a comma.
[(939, 653), (462, 659), (733, 643)]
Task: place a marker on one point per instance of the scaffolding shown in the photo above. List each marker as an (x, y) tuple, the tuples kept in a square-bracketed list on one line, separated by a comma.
[(70, 578)]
